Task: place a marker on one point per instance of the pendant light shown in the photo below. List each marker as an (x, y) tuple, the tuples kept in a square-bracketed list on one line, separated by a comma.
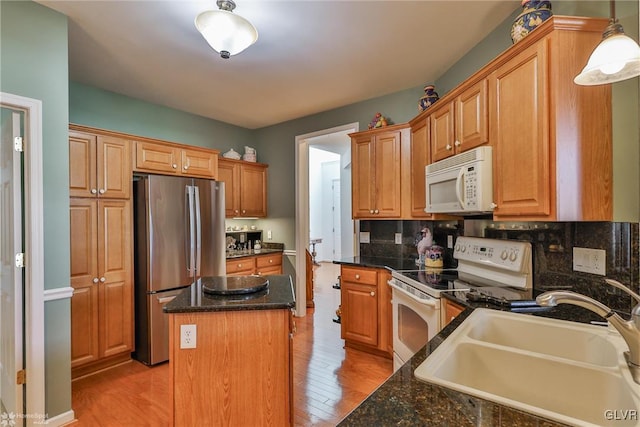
[(226, 32), (616, 58)]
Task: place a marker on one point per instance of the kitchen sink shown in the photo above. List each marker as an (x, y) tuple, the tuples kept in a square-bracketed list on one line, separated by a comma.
[(567, 372)]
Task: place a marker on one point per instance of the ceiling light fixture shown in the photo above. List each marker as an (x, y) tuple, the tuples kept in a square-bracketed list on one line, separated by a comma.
[(616, 58), (226, 32)]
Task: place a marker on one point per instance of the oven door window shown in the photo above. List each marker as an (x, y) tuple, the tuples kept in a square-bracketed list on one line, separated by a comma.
[(413, 330)]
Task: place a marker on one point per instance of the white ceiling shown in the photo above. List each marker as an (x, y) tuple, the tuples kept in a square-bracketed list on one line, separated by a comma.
[(311, 56)]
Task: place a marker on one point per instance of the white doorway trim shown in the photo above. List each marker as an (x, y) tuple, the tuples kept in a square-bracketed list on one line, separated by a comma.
[(302, 209), (34, 257)]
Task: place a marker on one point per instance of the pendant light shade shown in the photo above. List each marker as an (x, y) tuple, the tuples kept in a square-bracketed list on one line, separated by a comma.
[(226, 32), (616, 58)]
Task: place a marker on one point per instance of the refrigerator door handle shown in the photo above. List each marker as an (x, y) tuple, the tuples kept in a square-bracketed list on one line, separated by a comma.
[(192, 241), (198, 234)]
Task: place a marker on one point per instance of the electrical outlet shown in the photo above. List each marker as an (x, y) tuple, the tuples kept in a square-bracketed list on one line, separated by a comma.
[(450, 241), (364, 237), (398, 238), (269, 235), (590, 260), (187, 336)]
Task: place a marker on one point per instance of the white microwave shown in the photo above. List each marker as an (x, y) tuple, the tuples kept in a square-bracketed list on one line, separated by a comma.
[(461, 184)]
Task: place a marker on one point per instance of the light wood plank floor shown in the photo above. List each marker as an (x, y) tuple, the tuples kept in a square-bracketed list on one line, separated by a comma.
[(329, 381)]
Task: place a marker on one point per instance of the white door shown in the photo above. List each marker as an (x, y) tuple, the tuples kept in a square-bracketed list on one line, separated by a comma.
[(337, 240), (11, 271)]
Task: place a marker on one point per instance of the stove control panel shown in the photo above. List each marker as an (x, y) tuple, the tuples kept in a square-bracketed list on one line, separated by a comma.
[(500, 254)]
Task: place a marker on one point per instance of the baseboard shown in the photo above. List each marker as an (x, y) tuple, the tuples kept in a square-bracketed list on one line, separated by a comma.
[(66, 418)]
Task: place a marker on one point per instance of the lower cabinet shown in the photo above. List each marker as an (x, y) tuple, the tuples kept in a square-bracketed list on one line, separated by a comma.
[(262, 265), (366, 310), (245, 381), (101, 267), (450, 310)]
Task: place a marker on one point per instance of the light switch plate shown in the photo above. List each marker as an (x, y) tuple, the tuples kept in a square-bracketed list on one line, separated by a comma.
[(364, 237), (590, 260)]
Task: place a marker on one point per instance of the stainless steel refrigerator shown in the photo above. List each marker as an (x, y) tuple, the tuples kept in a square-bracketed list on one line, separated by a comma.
[(179, 236)]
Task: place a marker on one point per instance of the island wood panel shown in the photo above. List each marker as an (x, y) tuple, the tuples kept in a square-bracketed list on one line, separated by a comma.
[(240, 372)]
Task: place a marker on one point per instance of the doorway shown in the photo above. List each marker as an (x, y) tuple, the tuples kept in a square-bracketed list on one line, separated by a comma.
[(22, 263), (336, 141)]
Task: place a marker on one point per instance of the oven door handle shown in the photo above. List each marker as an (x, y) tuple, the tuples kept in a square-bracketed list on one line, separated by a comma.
[(432, 302)]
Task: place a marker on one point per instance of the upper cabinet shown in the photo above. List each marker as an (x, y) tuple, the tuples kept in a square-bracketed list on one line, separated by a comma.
[(417, 155), (461, 123), (245, 187), (174, 159), (552, 138), (376, 172), (99, 166)]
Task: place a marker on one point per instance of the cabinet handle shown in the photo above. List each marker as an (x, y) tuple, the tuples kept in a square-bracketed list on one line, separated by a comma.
[(357, 276), (95, 280), (236, 211), (371, 211), (457, 143), (376, 211), (185, 167), (244, 211), (102, 191), (448, 147), (175, 166), (270, 261), (102, 280), (372, 293), (94, 191), (239, 265)]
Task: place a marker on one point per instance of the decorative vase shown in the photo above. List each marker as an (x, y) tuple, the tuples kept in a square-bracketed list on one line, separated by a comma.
[(534, 13), (430, 96)]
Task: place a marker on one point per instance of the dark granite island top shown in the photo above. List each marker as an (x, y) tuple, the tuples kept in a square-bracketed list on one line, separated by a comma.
[(278, 295)]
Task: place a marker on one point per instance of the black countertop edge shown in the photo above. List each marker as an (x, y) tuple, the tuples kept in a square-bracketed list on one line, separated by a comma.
[(380, 262), (403, 400), (278, 295), (252, 252)]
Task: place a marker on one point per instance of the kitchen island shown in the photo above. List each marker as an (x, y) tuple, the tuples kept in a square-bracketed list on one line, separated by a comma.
[(230, 356)]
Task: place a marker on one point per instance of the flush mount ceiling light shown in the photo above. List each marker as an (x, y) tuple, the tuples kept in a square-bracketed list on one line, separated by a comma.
[(226, 32), (616, 58)]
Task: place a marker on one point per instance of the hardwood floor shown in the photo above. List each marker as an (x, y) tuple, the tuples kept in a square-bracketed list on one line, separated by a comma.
[(328, 380)]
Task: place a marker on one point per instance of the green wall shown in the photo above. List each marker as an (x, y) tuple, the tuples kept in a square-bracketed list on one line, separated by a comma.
[(34, 60)]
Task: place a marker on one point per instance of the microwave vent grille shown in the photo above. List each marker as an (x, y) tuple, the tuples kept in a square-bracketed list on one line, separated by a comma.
[(460, 159)]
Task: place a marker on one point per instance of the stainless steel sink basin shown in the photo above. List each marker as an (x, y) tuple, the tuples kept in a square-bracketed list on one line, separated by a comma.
[(572, 373)]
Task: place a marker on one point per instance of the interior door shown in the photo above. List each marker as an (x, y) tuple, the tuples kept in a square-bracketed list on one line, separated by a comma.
[(11, 272)]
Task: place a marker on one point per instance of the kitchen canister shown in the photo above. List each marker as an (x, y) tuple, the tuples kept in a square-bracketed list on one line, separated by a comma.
[(250, 154), (433, 257), (231, 154), (534, 13)]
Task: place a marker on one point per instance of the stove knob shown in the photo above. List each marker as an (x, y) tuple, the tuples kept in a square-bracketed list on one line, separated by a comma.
[(457, 248), (513, 256), (463, 249), (503, 255)]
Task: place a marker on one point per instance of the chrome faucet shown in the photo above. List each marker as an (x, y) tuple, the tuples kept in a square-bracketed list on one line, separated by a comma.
[(629, 329)]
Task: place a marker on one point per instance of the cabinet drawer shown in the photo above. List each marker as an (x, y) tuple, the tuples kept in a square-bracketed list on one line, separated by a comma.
[(269, 261), (266, 271), (238, 265), (357, 275)]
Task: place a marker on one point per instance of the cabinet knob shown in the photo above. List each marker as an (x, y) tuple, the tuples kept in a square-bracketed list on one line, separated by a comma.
[(244, 211), (457, 143), (376, 211), (270, 261), (94, 191), (236, 211), (372, 293), (493, 205), (102, 191), (95, 280), (185, 167), (102, 280), (175, 166), (358, 276), (371, 211), (239, 265), (448, 147)]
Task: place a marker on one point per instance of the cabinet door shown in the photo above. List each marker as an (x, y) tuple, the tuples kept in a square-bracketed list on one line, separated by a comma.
[(387, 175), (84, 280), (419, 159), (451, 311), (442, 132), (229, 173), (82, 165), (200, 163), (114, 264), (359, 313), (253, 190), (472, 120), (113, 168), (362, 175), (241, 266), (153, 157), (520, 134)]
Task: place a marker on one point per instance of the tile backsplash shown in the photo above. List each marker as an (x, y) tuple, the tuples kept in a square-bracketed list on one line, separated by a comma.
[(552, 244)]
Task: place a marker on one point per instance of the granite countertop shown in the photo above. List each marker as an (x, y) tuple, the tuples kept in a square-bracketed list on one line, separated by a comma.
[(251, 252), (278, 295), (379, 262)]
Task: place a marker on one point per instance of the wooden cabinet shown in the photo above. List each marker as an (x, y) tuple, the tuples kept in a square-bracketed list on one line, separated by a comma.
[(173, 159), (461, 123), (450, 310), (99, 166), (240, 373), (417, 154), (262, 265), (245, 188), (552, 138), (366, 309), (376, 172), (101, 267)]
